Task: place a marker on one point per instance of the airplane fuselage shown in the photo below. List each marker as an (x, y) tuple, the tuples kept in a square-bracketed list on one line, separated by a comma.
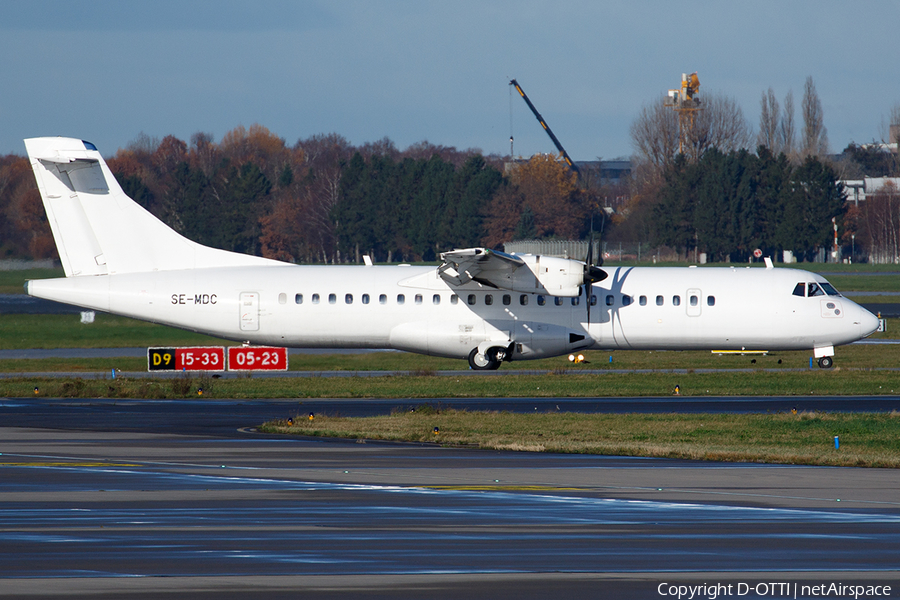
[(412, 308), (480, 304)]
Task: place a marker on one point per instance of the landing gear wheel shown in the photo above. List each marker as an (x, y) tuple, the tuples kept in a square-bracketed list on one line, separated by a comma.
[(826, 362), (481, 362)]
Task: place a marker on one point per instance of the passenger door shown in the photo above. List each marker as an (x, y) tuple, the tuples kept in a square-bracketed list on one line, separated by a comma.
[(694, 301), (249, 307)]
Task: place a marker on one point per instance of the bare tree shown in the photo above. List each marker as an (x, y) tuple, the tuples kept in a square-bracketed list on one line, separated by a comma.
[(769, 121), (655, 136), (721, 124), (890, 132), (815, 136), (787, 130)]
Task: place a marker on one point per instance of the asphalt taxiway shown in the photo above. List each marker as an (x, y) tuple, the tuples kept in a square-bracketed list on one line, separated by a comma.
[(107, 499)]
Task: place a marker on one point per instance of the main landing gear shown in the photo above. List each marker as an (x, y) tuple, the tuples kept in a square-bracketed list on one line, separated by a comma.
[(826, 362), (490, 360)]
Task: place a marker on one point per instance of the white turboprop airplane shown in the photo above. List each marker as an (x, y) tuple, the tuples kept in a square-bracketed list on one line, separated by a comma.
[(479, 304)]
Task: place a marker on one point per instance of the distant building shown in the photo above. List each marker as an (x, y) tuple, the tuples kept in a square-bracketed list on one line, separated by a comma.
[(612, 172), (576, 249), (858, 189)]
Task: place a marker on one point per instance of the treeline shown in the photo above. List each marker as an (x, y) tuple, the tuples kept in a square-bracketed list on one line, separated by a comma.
[(322, 200), (728, 205), (24, 232), (251, 193), (412, 208), (325, 200)]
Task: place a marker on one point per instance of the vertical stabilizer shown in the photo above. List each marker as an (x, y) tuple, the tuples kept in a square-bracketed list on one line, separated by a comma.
[(98, 229)]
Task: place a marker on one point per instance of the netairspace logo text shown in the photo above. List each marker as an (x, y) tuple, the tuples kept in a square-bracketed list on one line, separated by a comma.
[(772, 590)]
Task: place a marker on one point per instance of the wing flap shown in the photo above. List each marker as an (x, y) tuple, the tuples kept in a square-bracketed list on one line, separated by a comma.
[(482, 265), (521, 273)]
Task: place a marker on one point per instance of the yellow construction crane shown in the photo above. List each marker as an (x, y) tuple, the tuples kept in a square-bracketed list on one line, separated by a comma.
[(686, 102)]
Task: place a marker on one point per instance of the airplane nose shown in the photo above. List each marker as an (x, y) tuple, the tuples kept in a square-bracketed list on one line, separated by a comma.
[(868, 323)]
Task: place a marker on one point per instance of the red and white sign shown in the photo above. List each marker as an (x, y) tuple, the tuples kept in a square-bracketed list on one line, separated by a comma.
[(757, 253), (257, 358), (201, 358)]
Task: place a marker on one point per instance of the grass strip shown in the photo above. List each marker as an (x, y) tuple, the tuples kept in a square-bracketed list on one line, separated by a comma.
[(866, 440), (582, 385), (859, 356), (18, 332)]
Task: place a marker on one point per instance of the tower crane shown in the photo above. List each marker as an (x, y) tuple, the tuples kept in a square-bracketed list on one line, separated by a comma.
[(562, 151), (686, 102)]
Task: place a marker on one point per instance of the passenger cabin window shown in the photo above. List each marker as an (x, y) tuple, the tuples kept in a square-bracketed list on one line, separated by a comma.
[(436, 299), (610, 300), (454, 299), (401, 298), (365, 298), (523, 299), (676, 300), (642, 300), (418, 298), (315, 298), (471, 300), (282, 298), (659, 300), (710, 300), (382, 299), (558, 301), (541, 300), (576, 301), (507, 299), (348, 298), (488, 299), (694, 300), (593, 299), (332, 298), (627, 300), (298, 298), (800, 290)]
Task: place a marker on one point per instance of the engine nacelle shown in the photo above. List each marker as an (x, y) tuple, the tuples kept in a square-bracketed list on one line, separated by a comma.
[(549, 275), (529, 273)]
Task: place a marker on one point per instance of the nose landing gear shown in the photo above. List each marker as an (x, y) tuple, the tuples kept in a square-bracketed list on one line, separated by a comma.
[(826, 362)]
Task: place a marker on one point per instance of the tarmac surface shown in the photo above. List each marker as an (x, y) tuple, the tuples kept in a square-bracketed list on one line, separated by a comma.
[(141, 499)]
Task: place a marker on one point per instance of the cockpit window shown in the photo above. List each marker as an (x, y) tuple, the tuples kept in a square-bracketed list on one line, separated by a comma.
[(814, 290), (829, 289), (800, 290)]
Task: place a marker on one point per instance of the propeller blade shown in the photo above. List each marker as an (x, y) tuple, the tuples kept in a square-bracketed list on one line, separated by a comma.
[(587, 298)]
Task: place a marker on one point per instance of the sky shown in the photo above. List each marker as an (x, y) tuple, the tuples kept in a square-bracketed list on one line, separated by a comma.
[(108, 71)]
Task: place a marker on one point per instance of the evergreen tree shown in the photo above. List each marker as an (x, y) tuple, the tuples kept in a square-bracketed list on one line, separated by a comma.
[(525, 230), (673, 215)]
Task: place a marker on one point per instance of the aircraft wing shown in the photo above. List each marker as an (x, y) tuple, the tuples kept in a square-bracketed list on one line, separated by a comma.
[(488, 267), (522, 273)]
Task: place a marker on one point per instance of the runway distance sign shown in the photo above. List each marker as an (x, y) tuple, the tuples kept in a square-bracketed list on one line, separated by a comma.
[(191, 358), (257, 358)]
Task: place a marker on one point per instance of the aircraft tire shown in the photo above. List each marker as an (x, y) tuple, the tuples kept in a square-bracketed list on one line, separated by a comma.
[(826, 362), (481, 362)]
